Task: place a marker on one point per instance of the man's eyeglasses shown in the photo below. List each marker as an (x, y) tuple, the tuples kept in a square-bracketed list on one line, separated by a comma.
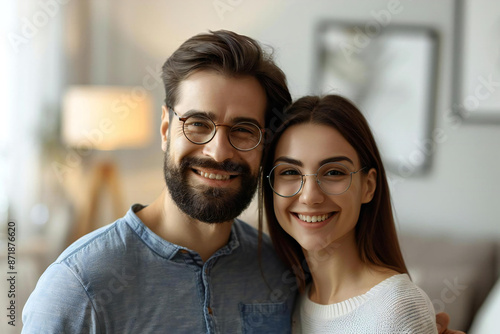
[(200, 129), (333, 178)]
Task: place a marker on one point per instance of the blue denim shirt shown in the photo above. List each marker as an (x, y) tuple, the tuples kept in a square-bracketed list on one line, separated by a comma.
[(123, 278)]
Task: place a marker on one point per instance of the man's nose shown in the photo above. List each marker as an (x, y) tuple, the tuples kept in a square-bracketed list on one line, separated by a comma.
[(219, 148)]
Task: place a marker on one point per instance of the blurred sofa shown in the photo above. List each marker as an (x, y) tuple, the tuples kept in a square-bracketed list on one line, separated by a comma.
[(456, 274)]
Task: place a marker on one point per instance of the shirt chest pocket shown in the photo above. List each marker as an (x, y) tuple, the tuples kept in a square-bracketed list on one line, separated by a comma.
[(265, 318)]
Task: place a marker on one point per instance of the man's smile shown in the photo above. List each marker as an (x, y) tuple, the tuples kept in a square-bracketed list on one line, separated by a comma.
[(214, 174)]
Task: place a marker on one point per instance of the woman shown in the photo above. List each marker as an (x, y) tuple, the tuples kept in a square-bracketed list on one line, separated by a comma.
[(329, 213)]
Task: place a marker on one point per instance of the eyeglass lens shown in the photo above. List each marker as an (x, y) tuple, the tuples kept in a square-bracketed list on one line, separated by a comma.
[(200, 130), (333, 178)]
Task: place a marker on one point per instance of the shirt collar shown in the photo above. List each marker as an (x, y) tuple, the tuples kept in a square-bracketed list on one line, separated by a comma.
[(167, 249)]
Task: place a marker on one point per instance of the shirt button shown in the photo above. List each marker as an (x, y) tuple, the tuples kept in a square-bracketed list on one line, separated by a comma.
[(210, 311)]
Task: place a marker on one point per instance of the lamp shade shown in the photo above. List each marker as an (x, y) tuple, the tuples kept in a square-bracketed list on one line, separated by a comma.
[(106, 117)]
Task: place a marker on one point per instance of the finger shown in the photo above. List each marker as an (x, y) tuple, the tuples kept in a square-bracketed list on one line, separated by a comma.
[(442, 321)]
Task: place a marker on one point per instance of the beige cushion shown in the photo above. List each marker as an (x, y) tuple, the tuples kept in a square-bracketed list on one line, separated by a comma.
[(457, 275)]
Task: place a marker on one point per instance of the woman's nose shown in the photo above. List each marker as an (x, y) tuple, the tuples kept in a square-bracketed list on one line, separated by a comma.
[(311, 193)]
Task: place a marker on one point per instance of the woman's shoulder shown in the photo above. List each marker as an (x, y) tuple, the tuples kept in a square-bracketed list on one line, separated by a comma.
[(404, 305), (397, 289), (402, 286)]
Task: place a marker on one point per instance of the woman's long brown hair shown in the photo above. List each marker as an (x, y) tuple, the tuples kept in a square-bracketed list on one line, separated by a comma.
[(376, 237)]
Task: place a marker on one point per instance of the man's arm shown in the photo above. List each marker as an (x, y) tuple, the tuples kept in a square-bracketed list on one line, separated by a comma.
[(442, 321), (59, 304)]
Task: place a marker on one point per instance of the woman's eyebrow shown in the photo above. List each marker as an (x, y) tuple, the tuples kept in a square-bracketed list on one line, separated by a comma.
[(336, 159), (322, 162), (288, 160)]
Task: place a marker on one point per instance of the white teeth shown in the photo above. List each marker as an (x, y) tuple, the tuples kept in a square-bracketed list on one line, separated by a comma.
[(313, 219), (212, 176)]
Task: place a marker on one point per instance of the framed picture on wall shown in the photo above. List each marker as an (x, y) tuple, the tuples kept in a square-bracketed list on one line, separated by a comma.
[(476, 93), (390, 74)]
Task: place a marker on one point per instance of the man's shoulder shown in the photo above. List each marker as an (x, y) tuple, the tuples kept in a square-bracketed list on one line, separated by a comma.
[(105, 242), (88, 273)]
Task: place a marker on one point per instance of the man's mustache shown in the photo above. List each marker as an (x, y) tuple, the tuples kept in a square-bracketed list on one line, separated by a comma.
[(227, 166)]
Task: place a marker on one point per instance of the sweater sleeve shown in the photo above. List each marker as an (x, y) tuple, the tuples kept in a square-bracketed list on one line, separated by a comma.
[(59, 304), (410, 313)]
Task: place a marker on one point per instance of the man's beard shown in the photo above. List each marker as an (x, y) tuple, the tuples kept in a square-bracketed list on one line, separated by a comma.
[(205, 203)]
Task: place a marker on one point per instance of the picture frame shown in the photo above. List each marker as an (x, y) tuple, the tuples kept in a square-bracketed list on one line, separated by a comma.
[(390, 74), (476, 70)]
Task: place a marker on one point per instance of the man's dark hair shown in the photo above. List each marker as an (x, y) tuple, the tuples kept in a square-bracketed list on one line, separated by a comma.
[(232, 55)]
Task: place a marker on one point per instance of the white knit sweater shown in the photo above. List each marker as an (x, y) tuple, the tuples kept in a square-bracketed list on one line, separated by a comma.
[(395, 305)]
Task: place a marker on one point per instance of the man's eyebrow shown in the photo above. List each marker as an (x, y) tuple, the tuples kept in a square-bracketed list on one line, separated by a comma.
[(197, 112), (246, 119), (212, 116)]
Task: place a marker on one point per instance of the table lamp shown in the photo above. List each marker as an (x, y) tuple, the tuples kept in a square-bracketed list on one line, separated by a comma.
[(104, 118)]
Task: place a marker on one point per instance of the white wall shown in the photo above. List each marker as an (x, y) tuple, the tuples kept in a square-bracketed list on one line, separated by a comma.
[(459, 194)]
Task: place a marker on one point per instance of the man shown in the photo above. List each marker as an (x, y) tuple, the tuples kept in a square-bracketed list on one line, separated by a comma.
[(184, 264)]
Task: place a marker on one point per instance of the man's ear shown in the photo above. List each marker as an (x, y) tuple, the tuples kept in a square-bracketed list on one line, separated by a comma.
[(370, 184), (164, 127)]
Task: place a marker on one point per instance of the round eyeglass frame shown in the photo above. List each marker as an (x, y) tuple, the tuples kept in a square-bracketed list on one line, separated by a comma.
[(316, 177), (214, 132)]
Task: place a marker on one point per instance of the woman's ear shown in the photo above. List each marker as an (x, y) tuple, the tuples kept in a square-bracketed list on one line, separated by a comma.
[(369, 186), (164, 127)]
